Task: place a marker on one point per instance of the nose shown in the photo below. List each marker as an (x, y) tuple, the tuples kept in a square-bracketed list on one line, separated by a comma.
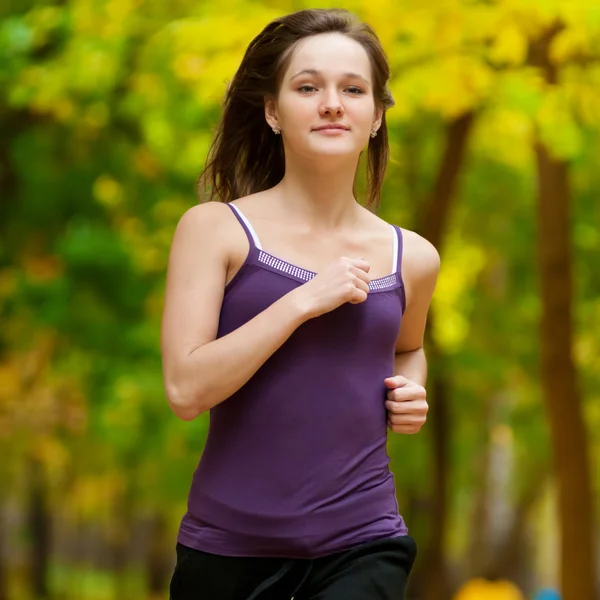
[(332, 106)]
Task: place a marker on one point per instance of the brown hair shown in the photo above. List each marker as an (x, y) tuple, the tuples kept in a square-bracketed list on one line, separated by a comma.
[(245, 157)]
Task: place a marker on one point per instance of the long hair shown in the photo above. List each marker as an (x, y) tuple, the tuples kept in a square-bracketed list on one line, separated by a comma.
[(245, 157)]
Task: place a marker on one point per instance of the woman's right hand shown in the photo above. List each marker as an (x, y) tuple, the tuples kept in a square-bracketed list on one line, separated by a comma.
[(344, 280)]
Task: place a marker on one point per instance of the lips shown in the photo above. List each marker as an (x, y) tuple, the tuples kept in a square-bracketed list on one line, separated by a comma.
[(331, 126)]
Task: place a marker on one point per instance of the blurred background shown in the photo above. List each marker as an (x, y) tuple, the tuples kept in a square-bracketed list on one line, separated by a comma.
[(107, 108)]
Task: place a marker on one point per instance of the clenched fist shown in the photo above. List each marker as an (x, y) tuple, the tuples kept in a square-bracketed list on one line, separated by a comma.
[(344, 280), (406, 405)]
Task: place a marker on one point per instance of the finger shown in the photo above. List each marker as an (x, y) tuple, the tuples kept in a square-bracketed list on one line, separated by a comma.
[(406, 420), (396, 381), (407, 393), (360, 263), (405, 429), (358, 296), (360, 274), (361, 285), (399, 408), (416, 407)]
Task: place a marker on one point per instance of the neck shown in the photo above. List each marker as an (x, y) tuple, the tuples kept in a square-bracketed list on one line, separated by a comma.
[(322, 196)]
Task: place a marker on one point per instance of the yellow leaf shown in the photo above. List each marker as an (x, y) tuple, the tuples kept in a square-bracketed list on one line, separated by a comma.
[(52, 453), (461, 266), (569, 43), (108, 191), (505, 136), (188, 66), (509, 47), (557, 126), (10, 384)]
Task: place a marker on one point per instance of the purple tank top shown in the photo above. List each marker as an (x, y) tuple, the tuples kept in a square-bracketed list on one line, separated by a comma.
[(295, 463)]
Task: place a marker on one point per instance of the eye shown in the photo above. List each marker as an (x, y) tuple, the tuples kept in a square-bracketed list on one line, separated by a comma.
[(306, 88), (354, 90)]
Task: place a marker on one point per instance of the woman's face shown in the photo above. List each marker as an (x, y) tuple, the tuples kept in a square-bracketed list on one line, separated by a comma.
[(325, 104)]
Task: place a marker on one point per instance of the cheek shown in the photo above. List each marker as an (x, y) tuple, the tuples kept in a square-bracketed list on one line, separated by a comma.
[(363, 112), (303, 114), (295, 112)]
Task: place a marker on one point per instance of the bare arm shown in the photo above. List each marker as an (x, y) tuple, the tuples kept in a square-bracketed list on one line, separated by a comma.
[(420, 268), (201, 371), (407, 399), (412, 365)]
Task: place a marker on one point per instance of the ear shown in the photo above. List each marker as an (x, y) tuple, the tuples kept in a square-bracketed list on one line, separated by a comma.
[(377, 118), (271, 113)]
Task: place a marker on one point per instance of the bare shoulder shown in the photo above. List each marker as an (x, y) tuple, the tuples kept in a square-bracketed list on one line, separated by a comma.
[(207, 217), (209, 224), (419, 256), (420, 270), (207, 231)]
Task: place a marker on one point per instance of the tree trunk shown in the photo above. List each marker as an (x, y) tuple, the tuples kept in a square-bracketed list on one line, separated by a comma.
[(436, 584), (120, 546), (434, 219), (39, 528), (480, 520), (433, 223), (3, 553), (571, 460), (158, 562), (561, 393)]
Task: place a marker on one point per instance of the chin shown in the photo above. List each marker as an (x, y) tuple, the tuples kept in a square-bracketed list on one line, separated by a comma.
[(339, 150), (332, 151)]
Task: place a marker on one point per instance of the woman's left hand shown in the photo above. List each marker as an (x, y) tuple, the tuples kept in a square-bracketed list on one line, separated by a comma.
[(406, 405)]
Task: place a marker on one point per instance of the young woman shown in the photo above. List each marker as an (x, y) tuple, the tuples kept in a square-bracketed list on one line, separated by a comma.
[(282, 317)]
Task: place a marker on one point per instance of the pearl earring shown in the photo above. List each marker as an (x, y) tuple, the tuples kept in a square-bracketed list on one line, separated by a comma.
[(276, 130), (373, 133)]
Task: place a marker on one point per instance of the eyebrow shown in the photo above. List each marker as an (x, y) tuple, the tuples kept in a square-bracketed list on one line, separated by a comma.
[(315, 72)]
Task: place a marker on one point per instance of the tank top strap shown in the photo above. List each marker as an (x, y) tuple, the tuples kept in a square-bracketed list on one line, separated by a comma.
[(252, 237), (398, 247), (397, 250)]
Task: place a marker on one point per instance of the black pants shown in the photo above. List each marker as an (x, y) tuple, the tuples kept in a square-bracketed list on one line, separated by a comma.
[(374, 571)]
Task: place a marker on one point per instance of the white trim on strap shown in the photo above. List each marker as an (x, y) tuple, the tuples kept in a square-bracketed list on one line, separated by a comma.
[(395, 259), (247, 223)]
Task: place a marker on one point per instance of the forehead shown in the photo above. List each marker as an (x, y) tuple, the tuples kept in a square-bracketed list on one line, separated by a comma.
[(329, 53)]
